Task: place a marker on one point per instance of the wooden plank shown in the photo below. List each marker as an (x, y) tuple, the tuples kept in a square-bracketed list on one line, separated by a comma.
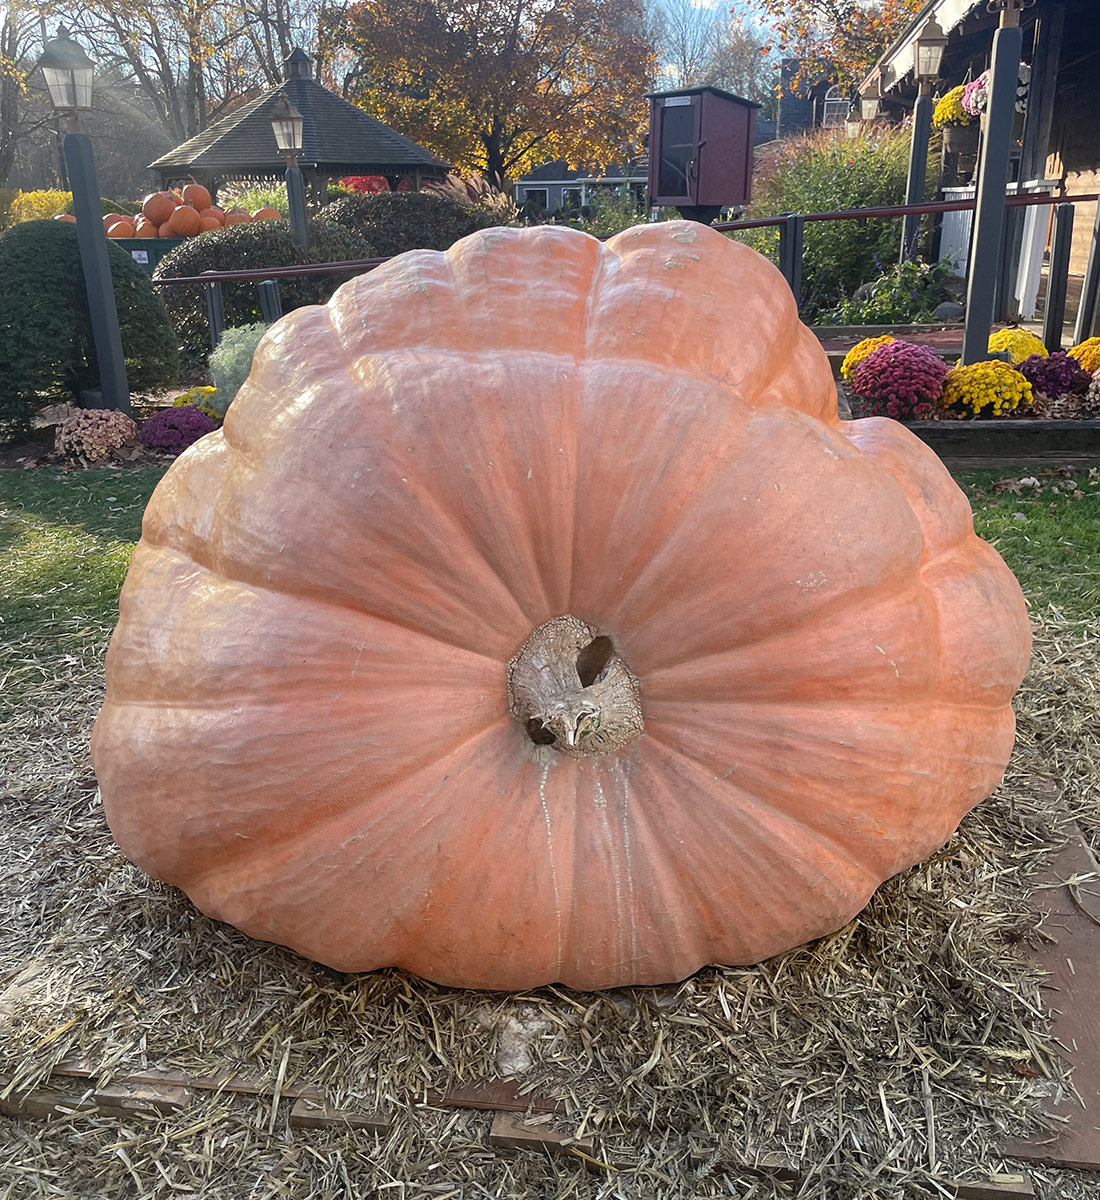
[(1070, 904), (502, 1095), (309, 1113), (231, 1081), (999, 1187), (45, 1101), (123, 1098), (508, 1132)]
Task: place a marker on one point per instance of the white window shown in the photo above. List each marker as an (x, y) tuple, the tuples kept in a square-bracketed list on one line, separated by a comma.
[(837, 108)]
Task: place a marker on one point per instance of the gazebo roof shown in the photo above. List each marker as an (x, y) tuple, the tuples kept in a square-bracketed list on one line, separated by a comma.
[(337, 138)]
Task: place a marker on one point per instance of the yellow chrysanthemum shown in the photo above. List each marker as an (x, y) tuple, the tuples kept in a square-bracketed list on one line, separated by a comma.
[(860, 351), (1087, 354), (200, 398), (988, 389), (949, 110), (1019, 343)]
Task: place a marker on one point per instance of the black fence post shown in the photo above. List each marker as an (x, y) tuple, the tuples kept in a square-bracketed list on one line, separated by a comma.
[(271, 306), (1004, 306), (1054, 311), (1090, 289), (215, 310), (790, 251)]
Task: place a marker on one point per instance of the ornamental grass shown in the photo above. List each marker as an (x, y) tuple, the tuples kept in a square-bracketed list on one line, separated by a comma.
[(986, 389), (862, 350), (900, 380), (1019, 343)]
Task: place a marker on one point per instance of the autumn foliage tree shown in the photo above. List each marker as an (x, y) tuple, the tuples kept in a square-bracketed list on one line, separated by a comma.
[(499, 86), (840, 39)]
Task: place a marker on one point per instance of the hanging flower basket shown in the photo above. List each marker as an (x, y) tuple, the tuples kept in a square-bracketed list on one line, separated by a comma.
[(961, 139)]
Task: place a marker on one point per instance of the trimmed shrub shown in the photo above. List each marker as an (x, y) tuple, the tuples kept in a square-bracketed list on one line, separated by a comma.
[(232, 361), (46, 348), (394, 222), (238, 248), (174, 429)]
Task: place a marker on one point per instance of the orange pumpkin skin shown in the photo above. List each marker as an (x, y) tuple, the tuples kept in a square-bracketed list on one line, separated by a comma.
[(209, 224), (196, 196), (184, 222), (66, 217), (307, 724), (212, 211), (122, 229), (267, 214), (145, 229), (159, 206), (236, 216)]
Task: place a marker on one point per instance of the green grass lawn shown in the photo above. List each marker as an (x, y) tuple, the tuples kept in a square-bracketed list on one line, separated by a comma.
[(66, 537)]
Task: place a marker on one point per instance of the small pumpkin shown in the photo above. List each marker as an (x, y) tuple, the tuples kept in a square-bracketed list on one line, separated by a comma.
[(165, 231), (214, 212), (122, 229), (209, 224), (145, 229), (111, 218), (197, 197), (68, 217), (512, 633), (159, 206), (236, 216), (267, 214)]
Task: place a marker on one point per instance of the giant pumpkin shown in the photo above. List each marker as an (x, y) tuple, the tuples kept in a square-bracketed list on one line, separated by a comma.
[(534, 617)]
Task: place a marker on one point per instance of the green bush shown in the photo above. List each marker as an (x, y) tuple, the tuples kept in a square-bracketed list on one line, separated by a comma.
[(231, 362), (826, 172), (46, 349), (238, 248), (394, 222), (907, 292)]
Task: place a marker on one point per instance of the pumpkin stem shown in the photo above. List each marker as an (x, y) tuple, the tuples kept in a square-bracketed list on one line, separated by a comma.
[(569, 689)]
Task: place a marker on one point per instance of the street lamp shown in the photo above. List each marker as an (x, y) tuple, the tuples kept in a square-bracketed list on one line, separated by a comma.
[(927, 58), (870, 102), (68, 72), (288, 124)]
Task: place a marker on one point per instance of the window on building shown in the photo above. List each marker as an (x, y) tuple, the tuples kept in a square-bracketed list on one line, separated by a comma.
[(836, 109), (572, 198), (536, 199)]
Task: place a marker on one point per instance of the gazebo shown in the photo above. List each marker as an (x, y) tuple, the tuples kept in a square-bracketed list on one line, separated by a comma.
[(338, 139)]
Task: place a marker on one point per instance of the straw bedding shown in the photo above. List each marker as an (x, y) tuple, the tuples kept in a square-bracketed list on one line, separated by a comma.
[(896, 1053)]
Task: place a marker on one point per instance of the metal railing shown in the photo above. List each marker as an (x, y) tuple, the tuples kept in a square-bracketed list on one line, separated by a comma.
[(791, 228)]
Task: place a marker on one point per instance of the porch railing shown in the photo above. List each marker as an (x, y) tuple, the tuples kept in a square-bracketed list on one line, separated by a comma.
[(791, 228)]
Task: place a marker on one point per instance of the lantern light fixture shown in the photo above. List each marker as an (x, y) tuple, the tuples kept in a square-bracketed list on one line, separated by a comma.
[(287, 123), (930, 46), (68, 71)]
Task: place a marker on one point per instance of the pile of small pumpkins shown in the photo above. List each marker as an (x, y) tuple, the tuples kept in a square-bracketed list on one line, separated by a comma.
[(181, 215)]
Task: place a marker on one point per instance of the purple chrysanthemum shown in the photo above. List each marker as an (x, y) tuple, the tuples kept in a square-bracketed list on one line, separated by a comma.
[(900, 380), (1053, 376), (174, 429)]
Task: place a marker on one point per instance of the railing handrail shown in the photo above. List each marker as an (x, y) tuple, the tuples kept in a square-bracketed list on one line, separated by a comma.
[(850, 214)]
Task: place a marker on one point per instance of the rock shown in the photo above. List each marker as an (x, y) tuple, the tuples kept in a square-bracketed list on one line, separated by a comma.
[(948, 311), (863, 292), (54, 414)]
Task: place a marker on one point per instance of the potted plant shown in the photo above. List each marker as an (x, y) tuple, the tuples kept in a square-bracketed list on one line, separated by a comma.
[(960, 130)]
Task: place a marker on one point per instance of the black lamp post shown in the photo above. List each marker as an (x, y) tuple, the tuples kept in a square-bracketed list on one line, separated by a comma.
[(928, 56), (287, 123), (989, 208), (69, 71)]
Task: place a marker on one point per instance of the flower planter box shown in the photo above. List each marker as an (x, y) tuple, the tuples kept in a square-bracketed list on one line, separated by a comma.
[(147, 252), (960, 139), (1011, 438)]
